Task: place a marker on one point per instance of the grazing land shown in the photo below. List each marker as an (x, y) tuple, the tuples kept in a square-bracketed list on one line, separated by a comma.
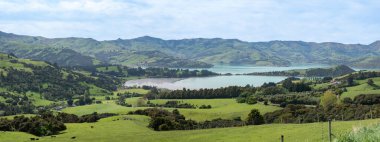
[(286, 108), (134, 128), (362, 88), (221, 108)]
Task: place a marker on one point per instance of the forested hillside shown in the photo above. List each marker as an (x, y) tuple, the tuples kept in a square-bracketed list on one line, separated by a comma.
[(198, 52), (24, 82), (312, 72)]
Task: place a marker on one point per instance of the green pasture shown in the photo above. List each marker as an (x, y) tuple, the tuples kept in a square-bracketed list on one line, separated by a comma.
[(134, 128), (221, 108), (362, 88)]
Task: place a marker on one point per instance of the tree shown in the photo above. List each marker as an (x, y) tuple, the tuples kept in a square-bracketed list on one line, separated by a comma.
[(70, 102), (251, 100), (347, 100), (255, 118), (350, 81), (265, 102), (287, 83), (326, 79), (107, 98), (328, 99), (140, 102), (370, 82)]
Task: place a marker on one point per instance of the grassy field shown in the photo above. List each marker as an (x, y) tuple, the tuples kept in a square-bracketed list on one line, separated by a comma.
[(110, 107), (5, 62), (362, 88), (96, 91), (320, 86), (139, 91), (12, 116), (223, 108), (109, 68), (135, 129), (365, 134), (37, 100)]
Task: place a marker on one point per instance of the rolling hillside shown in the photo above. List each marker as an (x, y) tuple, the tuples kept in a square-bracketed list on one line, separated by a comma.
[(312, 72), (198, 52), (26, 83), (133, 128)]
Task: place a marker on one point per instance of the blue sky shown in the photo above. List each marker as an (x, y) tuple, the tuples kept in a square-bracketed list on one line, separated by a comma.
[(347, 21)]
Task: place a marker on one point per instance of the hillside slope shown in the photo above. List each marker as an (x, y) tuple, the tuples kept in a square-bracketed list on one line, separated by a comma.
[(23, 76), (312, 72), (198, 52)]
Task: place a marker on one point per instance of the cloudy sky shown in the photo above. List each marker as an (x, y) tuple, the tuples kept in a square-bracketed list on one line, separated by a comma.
[(250, 20)]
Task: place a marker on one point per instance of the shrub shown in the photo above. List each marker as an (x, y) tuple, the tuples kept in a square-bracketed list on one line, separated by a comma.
[(255, 118), (251, 100)]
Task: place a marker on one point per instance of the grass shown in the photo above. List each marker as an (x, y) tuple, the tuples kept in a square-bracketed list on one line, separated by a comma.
[(6, 62), (37, 100), (138, 91), (362, 88), (132, 78), (96, 91), (135, 129), (110, 107), (222, 108), (106, 69), (12, 116), (33, 96), (320, 86), (365, 134)]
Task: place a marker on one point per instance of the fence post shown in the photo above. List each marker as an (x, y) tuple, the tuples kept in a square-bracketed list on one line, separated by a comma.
[(330, 138), (282, 138)]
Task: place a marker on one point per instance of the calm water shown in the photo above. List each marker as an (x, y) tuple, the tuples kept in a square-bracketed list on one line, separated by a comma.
[(249, 69), (217, 81), (204, 82)]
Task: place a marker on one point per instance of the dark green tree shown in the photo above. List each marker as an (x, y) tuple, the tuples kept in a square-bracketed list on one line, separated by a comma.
[(370, 82), (255, 118)]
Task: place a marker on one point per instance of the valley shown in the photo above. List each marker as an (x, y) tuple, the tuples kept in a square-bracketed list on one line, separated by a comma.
[(46, 94), (220, 107), (189, 71)]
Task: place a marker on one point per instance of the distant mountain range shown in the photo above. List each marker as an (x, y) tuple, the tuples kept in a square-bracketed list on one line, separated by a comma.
[(197, 52)]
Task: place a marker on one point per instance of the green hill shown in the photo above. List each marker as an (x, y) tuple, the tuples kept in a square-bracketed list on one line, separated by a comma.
[(371, 61), (133, 128), (312, 72), (197, 52), (362, 87), (26, 83)]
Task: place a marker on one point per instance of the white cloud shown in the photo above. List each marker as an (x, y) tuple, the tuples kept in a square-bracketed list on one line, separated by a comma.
[(252, 20), (108, 7)]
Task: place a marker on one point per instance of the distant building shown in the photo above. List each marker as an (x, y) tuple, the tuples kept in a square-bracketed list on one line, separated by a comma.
[(335, 82)]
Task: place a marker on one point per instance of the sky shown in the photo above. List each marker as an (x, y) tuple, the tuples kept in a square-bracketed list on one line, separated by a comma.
[(346, 21)]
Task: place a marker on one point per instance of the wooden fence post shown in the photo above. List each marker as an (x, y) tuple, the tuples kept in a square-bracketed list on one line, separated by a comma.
[(330, 138)]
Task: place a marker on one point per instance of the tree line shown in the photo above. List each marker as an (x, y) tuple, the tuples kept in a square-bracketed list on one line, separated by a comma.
[(361, 107), (153, 72), (164, 120), (46, 123), (224, 92), (313, 72)]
